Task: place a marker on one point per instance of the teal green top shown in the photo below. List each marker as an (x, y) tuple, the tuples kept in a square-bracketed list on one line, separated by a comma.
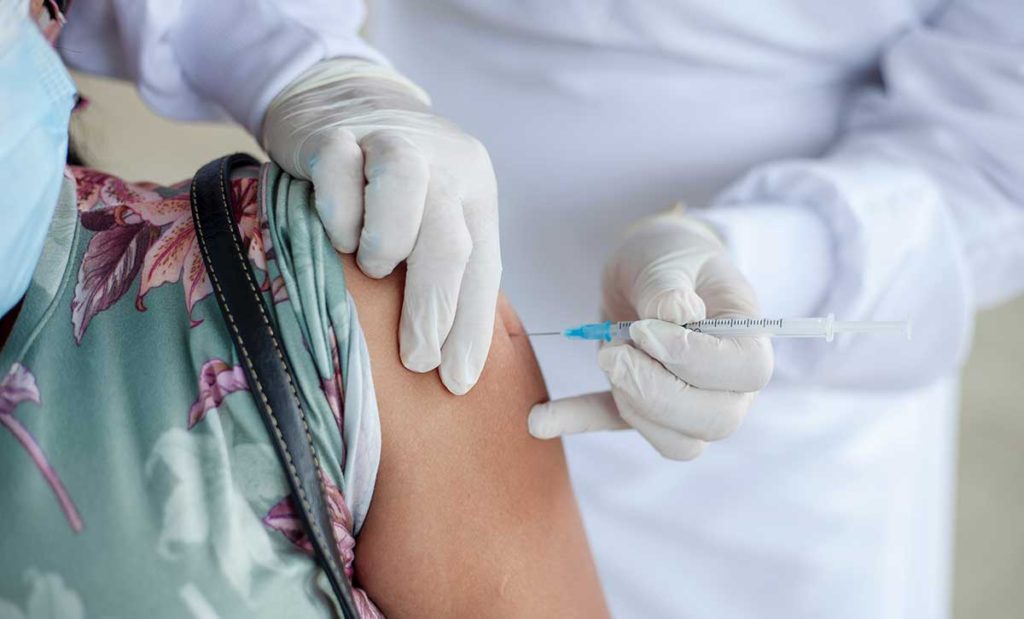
[(138, 477)]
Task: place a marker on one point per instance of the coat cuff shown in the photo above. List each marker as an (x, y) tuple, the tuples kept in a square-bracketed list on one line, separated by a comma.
[(258, 60), (786, 252)]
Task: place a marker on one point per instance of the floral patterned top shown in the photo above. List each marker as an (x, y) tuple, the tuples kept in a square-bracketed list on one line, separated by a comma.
[(138, 478)]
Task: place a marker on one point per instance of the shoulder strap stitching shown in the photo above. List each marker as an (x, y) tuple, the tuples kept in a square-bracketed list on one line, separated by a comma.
[(293, 473)]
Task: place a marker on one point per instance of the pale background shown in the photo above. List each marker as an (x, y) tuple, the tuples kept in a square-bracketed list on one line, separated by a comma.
[(120, 135)]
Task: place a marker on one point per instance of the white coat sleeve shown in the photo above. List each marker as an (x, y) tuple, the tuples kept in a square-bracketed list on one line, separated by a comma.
[(202, 60), (920, 203)]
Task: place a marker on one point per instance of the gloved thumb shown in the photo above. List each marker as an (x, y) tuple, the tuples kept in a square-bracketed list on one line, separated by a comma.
[(585, 413)]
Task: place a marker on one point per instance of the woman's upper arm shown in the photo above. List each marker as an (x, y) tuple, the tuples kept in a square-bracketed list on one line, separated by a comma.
[(470, 515)]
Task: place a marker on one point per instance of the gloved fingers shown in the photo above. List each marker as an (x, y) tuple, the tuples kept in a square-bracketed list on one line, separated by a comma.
[(656, 267), (435, 270), (397, 174), (671, 301), (670, 443), (643, 387), (586, 413), (336, 169), (725, 291), (465, 350), (706, 361)]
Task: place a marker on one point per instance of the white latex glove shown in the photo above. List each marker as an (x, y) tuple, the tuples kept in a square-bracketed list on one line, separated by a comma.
[(677, 387), (400, 183)]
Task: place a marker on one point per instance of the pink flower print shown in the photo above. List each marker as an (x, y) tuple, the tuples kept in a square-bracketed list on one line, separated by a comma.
[(257, 254), (97, 189), (143, 228), (284, 518), (217, 379), (365, 608), (175, 256), (48, 18), (111, 262), (278, 290), (245, 198), (333, 387), (19, 385)]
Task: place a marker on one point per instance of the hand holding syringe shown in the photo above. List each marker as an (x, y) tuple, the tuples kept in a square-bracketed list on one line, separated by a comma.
[(826, 328), (674, 385)]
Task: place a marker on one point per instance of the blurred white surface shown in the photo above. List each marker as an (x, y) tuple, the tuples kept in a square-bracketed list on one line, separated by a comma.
[(117, 133)]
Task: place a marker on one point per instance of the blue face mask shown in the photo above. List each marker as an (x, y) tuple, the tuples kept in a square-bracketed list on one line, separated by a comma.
[(35, 108)]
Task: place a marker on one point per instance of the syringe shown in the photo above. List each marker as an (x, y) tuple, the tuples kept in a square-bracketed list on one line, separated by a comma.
[(826, 327)]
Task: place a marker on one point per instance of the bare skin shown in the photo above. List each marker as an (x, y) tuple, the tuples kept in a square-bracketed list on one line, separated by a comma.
[(471, 517)]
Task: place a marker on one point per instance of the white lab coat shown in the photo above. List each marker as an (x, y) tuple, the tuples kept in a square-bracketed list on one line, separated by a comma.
[(862, 157)]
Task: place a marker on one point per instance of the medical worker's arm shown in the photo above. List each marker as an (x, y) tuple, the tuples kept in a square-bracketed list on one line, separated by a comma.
[(393, 180), (917, 212), (471, 517), (919, 207)]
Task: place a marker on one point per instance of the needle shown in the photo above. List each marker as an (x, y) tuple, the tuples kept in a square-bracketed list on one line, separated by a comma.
[(544, 333)]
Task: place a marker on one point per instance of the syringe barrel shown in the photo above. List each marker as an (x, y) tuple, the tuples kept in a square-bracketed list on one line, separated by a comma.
[(775, 327), (619, 331)]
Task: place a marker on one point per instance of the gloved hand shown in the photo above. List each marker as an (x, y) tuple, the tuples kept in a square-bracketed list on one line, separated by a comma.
[(400, 183), (677, 387)]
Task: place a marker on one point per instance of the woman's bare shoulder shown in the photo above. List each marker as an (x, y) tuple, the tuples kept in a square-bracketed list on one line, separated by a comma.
[(471, 516)]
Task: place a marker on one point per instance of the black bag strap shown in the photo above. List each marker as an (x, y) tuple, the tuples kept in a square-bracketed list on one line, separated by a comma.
[(264, 361)]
